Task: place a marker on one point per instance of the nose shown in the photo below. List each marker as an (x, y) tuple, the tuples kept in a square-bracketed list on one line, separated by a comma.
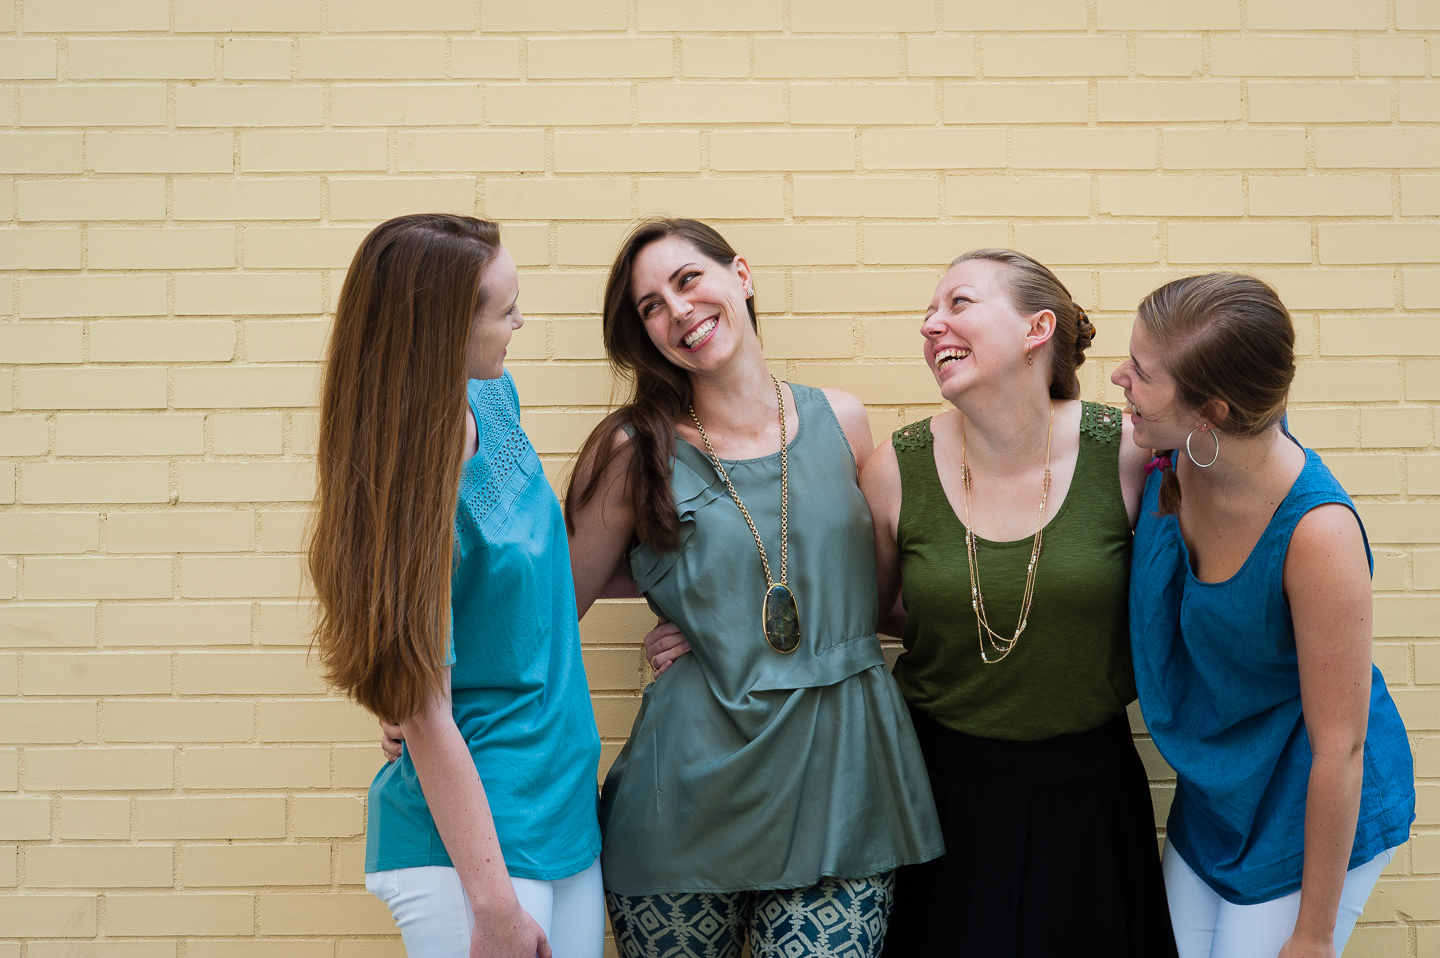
[(519, 319), (931, 327), (678, 305), (1120, 376)]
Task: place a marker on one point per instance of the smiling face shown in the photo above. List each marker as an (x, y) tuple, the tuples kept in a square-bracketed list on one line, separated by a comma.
[(1161, 419), (693, 308), (496, 320), (973, 332)]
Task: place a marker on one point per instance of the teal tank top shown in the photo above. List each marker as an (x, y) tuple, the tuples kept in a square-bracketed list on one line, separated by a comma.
[(748, 768), (518, 683)]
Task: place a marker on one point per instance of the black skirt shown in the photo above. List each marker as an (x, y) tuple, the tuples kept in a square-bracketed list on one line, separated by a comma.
[(1050, 851)]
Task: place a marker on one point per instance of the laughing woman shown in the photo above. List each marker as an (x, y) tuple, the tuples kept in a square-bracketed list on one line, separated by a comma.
[(772, 782)]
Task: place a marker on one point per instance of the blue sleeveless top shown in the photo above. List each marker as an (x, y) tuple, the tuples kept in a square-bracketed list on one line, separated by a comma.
[(517, 680), (1219, 684)]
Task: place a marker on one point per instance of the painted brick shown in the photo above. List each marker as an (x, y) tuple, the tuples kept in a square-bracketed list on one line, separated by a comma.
[(1378, 148), (558, 432), (98, 866), (1171, 195), (48, 482), (234, 818), (1077, 149), (92, 105), (28, 59), (577, 339), (1398, 522), (1166, 100), (1363, 380), (271, 247), (162, 625), (712, 103), (369, 16), (1049, 15), (630, 151), (9, 770), (129, 435), (1088, 243), (187, 914), (1167, 56), (1235, 243), (92, 769), (166, 248), (1380, 427), (567, 384), (929, 243), (1281, 56), (140, 59), (932, 149), (246, 199), (1422, 288), (1234, 149), (334, 57), (757, 15), (331, 721), (1017, 196), (810, 245), (485, 58), (102, 673), (786, 151), (1426, 568), (873, 292), (431, 104), (41, 342), (1332, 289), (92, 200), (1320, 195), (48, 723), (714, 57), (57, 916), (1049, 102), (561, 293), (24, 436), (578, 104), (1422, 379), (356, 199), (249, 106), (809, 339), (286, 340), (55, 533), (335, 914), (44, 297), (548, 58), (558, 199), (47, 626), (735, 198), (857, 16), (248, 673), (248, 59), (323, 817), (247, 16), (1295, 14), (162, 340), (1377, 336), (1319, 102), (223, 294), (204, 865), (1420, 195), (247, 482), (426, 151), (939, 56), (264, 767), (811, 57), (844, 104), (1391, 56), (277, 947), (180, 531), (287, 531), (88, 819), (1138, 15), (41, 152), (1379, 243), (1054, 56), (329, 150), (869, 197), (1422, 474), (240, 577)]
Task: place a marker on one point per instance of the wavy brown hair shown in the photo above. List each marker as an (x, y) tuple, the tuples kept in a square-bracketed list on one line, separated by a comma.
[(392, 425), (662, 392), (1226, 337), (1033, 287)]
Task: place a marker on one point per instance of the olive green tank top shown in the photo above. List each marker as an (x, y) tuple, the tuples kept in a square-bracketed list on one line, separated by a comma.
[(1071, 669)]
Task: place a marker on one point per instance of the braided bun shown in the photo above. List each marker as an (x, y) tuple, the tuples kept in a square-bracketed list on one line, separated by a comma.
[(1084, 334)]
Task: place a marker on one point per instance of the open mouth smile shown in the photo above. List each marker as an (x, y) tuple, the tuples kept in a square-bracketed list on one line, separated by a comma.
[(697, 335), (945, 357)]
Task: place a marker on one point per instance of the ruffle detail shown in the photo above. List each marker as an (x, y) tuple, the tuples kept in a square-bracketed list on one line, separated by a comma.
[(692, 493), (917, 435), (1101, 422)]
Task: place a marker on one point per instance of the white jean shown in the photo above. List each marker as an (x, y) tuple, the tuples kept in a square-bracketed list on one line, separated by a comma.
[(431, 908), (1208, 926)]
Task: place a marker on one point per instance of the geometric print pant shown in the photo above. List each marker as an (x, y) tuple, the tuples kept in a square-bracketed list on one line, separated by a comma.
[(837, 918)]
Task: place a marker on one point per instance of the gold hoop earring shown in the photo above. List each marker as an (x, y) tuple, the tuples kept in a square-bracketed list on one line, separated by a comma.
[(1213, 435)]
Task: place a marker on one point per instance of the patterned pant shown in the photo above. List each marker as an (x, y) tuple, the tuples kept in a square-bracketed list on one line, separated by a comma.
[(837, 918)]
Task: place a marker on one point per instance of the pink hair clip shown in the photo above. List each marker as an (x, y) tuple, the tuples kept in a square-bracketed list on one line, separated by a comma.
[(1159, 462)]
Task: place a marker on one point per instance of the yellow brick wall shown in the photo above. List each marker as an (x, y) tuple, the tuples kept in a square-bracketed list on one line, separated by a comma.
[(182, 183)]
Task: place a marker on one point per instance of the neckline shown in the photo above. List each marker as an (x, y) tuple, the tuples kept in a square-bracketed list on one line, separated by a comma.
[(789, 446), (1190, 575), (1026, 540)]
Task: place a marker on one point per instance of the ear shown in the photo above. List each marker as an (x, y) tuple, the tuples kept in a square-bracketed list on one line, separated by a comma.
[(742, 270), (1217, 411), (1041, 329)]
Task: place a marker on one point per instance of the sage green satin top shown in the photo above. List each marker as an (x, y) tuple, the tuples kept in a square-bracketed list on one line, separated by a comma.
[(748, 768)]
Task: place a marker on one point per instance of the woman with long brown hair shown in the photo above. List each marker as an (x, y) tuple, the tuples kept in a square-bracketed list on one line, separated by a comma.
[(772, 782), (440, 561)]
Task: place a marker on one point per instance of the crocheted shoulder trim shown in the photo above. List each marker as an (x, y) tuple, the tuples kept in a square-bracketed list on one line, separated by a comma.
[(917, 435), (1100, 422)]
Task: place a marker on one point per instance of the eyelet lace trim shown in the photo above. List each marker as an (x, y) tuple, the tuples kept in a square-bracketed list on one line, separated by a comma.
[(1101, 422), (917, 435), (480, 488)]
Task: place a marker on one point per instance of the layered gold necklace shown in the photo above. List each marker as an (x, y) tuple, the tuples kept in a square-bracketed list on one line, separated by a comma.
[(780, 613), (999, 643)]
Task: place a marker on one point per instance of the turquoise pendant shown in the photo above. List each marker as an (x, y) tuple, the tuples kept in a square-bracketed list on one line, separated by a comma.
[(781, 615)]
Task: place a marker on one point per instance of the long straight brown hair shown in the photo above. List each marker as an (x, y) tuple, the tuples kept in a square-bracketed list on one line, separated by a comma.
[(662, 391), (392, 428)]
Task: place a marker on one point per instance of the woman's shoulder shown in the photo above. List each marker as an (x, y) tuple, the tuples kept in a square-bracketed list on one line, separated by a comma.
[(912, 437)]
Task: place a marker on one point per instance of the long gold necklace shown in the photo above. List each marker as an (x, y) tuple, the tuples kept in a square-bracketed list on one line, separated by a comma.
[(998, 642), (780, 613)]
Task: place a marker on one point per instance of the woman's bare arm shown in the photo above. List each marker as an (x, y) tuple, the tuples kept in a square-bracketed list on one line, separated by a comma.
[(880, 482), (602, 530)]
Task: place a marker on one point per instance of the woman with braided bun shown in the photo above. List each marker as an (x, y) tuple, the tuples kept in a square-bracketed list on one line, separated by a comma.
[(1008, 522)]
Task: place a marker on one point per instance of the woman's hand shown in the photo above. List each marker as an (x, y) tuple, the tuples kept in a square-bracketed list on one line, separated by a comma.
[(391, 739), (663, 645), (509, 932), (1298, 946)]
